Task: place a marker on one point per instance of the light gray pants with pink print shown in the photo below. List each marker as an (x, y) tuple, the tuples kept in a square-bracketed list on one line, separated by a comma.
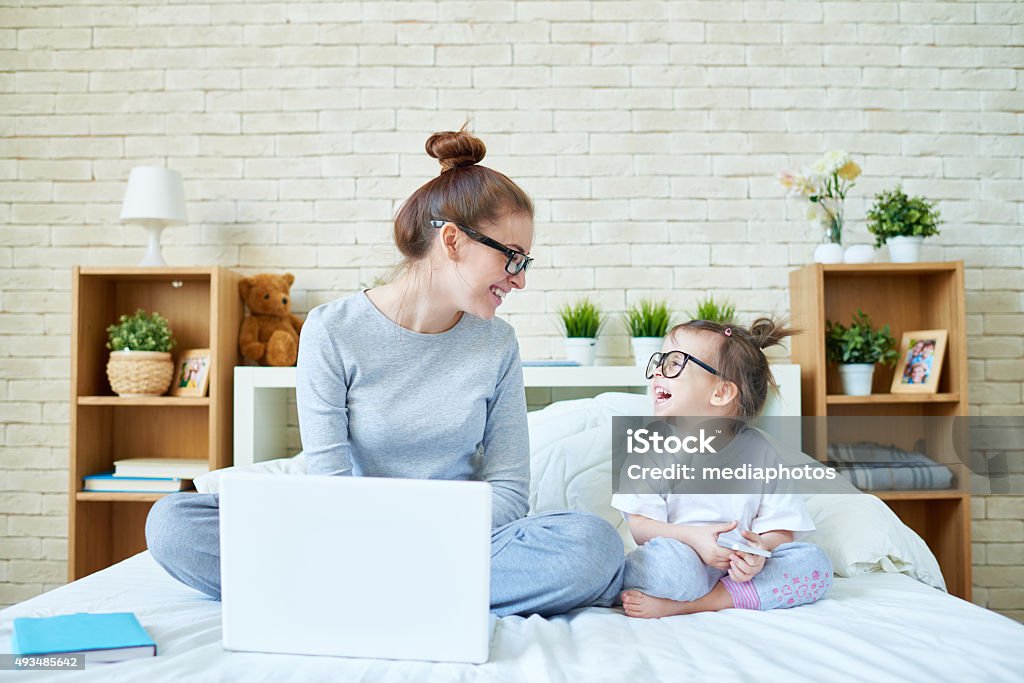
[(795, 574)]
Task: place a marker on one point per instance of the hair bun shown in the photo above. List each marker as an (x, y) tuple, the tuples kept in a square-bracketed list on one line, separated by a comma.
[(455, 149)]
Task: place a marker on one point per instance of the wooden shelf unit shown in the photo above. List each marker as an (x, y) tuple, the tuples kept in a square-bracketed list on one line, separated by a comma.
[(204, 310), (906, 296)]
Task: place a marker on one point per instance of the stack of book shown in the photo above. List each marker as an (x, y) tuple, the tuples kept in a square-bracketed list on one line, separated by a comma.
[(148, 475)]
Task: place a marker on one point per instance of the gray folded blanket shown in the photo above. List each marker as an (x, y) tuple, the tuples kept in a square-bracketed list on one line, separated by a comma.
[(872, 466)]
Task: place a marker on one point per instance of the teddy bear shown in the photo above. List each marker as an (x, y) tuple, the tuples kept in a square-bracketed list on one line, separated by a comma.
[(270, 334)]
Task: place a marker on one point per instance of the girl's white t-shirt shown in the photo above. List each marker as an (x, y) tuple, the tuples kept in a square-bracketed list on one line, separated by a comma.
[(771, 509)]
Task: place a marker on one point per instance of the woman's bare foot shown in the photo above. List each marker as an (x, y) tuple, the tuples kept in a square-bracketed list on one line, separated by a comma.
[(643, 606)]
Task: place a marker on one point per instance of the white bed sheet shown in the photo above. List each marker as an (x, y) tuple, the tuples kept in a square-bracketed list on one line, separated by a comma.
[(881, 627)]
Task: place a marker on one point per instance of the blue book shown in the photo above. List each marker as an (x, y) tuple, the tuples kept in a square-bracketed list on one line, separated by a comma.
[(99, 637), (108, 481), (550, 364)]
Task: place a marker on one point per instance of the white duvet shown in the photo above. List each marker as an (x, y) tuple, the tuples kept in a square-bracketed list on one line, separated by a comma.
[(879, 627)]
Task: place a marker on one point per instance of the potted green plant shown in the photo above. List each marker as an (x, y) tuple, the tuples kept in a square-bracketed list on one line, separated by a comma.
[(856, 349), (902, 223), (709, 309), (581, 320), (140, 359), (647, 322)]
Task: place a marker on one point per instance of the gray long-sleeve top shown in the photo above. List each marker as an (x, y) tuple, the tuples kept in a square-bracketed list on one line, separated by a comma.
[(378, 400)]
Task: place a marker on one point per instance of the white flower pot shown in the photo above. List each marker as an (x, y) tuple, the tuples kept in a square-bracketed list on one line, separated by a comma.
[(828, 252), (581, 349), (857, 378), (643, 347), (859, 253), (905, 249)]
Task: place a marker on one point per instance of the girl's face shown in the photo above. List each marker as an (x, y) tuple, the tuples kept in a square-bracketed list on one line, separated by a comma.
[(480, 282), (917, 373), (693, 392)]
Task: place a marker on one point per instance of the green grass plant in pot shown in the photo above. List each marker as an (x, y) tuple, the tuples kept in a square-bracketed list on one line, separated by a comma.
[(648, 322), (856, 349), (709, 309), (140, 360), (582, 321), (902, 222)]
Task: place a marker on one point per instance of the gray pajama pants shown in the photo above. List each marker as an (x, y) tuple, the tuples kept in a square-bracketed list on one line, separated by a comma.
[(543, 564), (795, 574)]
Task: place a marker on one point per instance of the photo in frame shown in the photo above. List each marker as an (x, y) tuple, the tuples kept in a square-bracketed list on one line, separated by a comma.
[(191, 373), (920, 362)]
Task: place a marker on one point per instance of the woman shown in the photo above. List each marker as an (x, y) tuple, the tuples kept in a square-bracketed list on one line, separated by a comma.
[(418, 379)]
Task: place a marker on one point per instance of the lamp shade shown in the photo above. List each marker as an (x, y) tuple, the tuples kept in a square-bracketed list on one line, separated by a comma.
[(155, 194)]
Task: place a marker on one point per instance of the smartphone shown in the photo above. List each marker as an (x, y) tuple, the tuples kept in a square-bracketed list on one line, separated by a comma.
[(733, 540)]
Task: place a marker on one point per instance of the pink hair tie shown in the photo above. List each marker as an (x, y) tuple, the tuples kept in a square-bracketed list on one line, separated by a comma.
[(728, 332)]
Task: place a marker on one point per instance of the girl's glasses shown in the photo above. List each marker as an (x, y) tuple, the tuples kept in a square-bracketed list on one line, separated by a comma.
[(518, 262), (672, 363)]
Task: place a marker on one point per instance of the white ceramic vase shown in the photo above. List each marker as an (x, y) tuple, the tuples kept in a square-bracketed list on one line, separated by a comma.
[(581, 349), (857, 378), (905, 249), (828, 252), (859, 253), (643, 348)]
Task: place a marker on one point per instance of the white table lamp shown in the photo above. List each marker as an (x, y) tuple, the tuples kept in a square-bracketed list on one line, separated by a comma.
[(155, 199)]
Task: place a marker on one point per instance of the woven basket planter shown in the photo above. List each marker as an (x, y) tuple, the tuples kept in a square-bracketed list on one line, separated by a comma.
[(139, 373)]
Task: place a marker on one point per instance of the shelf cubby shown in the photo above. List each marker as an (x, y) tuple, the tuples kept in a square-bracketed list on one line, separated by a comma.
[(204, 310)]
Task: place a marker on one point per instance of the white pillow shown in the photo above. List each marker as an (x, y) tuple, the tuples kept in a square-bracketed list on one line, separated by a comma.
[(861, 535), (210, 482)]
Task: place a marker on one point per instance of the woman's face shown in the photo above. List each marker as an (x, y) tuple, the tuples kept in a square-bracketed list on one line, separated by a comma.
[(480, 282)]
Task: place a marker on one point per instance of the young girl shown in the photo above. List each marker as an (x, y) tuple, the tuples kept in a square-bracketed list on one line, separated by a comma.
[(717, 371)]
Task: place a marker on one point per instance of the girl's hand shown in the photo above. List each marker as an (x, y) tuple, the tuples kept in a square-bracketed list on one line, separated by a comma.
[(705, 543), (745, 566)]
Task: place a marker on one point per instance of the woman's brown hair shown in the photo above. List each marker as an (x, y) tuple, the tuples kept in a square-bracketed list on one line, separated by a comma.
[(741, 359), (464, 192)]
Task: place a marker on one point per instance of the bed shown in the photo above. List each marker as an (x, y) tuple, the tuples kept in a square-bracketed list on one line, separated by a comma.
[(885, 626), (886, 618)]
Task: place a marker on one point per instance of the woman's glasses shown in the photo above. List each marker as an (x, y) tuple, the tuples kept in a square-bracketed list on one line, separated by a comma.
[(518, 262), (671, 364)]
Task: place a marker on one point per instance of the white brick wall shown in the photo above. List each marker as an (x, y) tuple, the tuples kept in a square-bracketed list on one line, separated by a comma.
[(300, 126)]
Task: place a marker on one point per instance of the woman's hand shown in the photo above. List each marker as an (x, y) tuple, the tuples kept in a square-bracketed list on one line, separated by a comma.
[(704, 541), (745, 566)]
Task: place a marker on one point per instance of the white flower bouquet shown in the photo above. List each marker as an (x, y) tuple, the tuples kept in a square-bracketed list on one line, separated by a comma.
[(824, 185)]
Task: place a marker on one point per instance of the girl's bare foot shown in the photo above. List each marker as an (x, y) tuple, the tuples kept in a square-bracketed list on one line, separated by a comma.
[(643, 606)]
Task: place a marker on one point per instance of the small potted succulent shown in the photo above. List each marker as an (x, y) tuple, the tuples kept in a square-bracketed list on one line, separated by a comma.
[(856, 349), (140, 359), (582, 321), (902, 223), (647, 322), (709, 309)]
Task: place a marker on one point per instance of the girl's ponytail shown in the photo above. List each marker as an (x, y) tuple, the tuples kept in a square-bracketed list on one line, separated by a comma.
[(767, 331)]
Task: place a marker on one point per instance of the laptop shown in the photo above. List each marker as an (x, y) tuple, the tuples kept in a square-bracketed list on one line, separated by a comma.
[(356, 566)]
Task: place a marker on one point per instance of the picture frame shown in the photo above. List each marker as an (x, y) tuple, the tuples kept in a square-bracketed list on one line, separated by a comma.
[(192, 373), (920, 362)]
